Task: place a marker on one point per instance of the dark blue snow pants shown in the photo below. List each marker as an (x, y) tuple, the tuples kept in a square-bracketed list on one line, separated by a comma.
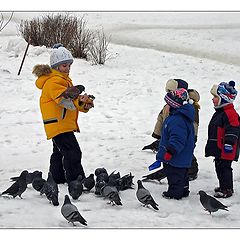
[(178, 184)]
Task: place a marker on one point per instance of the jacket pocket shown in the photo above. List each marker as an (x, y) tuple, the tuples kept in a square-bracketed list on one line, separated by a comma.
[(50, 120)]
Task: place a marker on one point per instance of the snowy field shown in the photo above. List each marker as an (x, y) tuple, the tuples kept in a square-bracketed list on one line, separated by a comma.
[(146, 50)]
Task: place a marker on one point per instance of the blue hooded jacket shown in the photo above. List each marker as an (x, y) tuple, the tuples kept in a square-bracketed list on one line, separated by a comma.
[(178, 137)]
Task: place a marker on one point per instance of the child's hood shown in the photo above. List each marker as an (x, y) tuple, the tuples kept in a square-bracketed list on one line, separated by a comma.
[(187, 110), (44, 73)]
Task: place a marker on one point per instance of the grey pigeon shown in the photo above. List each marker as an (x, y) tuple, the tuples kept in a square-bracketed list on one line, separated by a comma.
[(75, 188), (50, 189), (18, 187), (71, 213), (38, 182), (144, 196), (88, 182), (210, 203), (158, 175), (99, 184), (111, 193), (100, 170)]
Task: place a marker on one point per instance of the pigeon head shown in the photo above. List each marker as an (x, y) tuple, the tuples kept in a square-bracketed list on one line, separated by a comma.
[(24, 174), (139, 182), (100, 170), (201, 193), (79, 178), (67, 199)]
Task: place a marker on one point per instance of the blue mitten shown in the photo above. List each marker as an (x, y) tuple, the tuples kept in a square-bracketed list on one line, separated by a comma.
[(228, 148), (154, 165)]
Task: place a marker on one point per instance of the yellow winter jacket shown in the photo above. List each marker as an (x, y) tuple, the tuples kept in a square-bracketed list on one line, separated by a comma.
[(56, 118)]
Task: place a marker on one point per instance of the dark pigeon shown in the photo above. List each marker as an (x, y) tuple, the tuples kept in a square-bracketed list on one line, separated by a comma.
[(72, 92), (18, 187), (50, 189), (38, 182), (158, 175), (88, 182), (102, 176), (210, 203), (75, 188), (71, 213), (125, 182), (153, 146), (29, 178), (111, 193), (144, 196), (114, 176), (100, 170)]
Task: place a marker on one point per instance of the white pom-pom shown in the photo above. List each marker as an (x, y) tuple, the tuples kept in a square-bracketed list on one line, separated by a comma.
[(190, 101), (185, 102)]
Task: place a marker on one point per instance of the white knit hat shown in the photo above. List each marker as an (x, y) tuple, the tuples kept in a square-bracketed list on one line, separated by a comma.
[(60, 56)]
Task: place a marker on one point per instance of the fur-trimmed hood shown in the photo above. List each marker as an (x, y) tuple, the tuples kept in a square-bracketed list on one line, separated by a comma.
[(44, 72), (41, 69)]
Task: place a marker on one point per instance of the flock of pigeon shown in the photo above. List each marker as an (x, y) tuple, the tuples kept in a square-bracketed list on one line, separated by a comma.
[(106, 185)]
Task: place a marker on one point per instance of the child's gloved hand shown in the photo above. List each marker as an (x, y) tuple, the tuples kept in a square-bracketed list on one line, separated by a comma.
[(86, 101), (167, 156), (228, 148)]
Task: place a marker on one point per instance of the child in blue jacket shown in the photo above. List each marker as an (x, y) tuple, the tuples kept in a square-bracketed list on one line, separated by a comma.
[(177, 143)]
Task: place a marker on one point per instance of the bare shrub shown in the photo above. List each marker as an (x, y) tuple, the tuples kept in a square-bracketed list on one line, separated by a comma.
[(58, 28), (98, 49), (4, 23)]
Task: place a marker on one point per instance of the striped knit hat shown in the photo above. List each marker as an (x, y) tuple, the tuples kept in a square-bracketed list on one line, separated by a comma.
[(225, 92), (177, 98)]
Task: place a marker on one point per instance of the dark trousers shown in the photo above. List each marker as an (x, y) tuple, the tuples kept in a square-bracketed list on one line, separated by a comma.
[(178, 184), (224, 173), (65, 161)]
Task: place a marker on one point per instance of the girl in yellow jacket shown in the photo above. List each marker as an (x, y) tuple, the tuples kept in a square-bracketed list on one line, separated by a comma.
[(60, 103)]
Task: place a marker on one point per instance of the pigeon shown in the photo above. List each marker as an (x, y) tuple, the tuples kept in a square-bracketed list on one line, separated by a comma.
[(38, 182), (102, 176), (50, 189), (158, 175), (88, 182), (29, 178), (71, 213), (75, 188), (210, 203), (125, 182), (114, 176), (111, 193), (18, 187), (72, 92), (144, 196), (99, 184), (153, 146), (100, 170)]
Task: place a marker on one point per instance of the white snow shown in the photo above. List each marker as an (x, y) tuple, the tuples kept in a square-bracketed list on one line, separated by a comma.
[(147, 49)]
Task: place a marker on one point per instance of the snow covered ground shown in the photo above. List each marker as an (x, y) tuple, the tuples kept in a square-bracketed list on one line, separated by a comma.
[(147, 49)]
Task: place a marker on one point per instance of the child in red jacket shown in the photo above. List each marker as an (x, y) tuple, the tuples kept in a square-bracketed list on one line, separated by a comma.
[(223, 136)]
